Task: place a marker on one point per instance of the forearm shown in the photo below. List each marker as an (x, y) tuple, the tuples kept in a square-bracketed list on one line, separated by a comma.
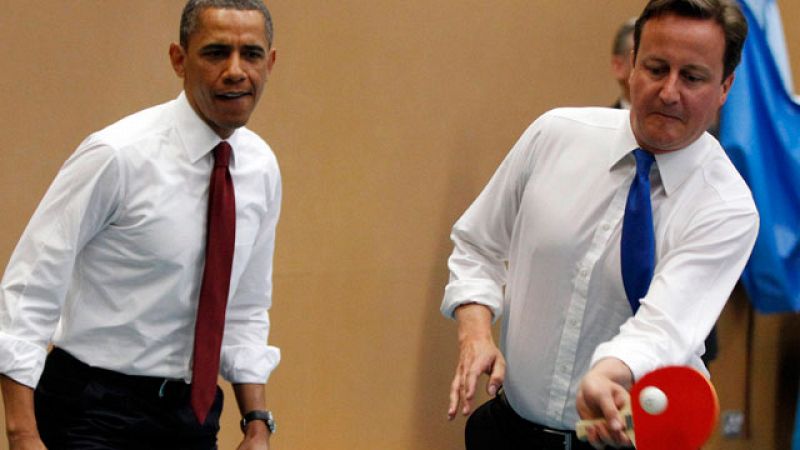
[(19, 412), (250, 397), (474, 322)]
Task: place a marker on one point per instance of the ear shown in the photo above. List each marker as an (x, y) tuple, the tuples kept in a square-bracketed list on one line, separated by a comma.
[(617, 66), (726, 88), (177, 57), (271, 60), (632, 57)]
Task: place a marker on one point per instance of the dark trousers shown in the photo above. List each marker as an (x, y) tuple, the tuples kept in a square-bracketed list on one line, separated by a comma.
[(87, 408), (496, 426)]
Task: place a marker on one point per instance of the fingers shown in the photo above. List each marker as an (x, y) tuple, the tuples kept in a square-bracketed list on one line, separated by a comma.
[(599, 396), (613, 433), (610, 412), (497, 376), (469, 383), (595, 438), (474, 360), (462, 391), (455, 396)]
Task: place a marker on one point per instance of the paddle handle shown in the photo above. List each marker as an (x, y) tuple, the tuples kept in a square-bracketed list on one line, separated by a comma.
[(582, 425)]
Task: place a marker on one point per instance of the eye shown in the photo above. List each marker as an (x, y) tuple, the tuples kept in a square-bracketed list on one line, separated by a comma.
[(692, 78), (215, 53), (253, 54), (657, 70)]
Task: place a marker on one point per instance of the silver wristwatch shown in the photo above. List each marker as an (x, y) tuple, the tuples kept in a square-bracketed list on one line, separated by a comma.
[(265, 416)]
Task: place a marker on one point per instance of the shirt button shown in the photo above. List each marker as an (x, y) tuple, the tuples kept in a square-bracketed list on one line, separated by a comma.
[(606, 227), (584, 272)]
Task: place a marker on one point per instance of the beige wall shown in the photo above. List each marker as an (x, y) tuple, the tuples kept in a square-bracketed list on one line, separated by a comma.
[(387, 118)]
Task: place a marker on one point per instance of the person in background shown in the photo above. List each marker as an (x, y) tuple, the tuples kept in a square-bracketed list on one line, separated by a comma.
[(621, 64), (148, 263)]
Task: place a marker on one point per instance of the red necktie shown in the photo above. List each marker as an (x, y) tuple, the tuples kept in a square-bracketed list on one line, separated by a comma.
[(220, 238)]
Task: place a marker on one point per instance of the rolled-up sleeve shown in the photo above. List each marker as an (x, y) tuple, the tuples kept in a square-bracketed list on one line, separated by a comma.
[(246, 356), (482, 236)]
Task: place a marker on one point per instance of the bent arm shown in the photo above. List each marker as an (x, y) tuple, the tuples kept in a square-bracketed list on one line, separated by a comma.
[(693, 280), (245, 356)]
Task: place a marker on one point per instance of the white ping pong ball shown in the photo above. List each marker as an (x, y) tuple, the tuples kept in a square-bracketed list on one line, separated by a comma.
[(653, 400)]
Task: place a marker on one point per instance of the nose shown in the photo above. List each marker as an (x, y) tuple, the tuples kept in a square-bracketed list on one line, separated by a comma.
[(669, 92), (234, 72)]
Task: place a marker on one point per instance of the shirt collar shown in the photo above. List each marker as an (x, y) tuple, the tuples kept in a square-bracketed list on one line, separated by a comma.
[(673, 167), (197, 137)]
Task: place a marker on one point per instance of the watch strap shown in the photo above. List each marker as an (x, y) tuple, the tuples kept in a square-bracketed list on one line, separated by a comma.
[(264, 416)]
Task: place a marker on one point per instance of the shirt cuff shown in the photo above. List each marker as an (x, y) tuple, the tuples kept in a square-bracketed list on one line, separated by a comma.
[(639, 366), (21, 361), (639, 360), (243, 364), (482, 292)]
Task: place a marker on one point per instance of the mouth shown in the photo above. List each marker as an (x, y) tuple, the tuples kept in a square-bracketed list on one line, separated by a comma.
[(668, 116), (233, 95)]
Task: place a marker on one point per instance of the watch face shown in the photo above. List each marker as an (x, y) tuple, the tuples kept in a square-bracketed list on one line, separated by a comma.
[(270, 422)]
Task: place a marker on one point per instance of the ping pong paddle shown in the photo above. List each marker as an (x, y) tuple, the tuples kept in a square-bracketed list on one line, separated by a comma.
[(672, 408)]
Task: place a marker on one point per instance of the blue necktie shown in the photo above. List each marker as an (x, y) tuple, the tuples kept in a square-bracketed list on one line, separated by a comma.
[(638, 246)]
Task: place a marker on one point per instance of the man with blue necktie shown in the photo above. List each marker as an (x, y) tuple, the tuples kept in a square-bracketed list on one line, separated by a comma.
[(607, 240)]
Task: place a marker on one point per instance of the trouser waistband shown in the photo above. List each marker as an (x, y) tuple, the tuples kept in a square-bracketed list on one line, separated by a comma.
[(59, 360), (571, 440)]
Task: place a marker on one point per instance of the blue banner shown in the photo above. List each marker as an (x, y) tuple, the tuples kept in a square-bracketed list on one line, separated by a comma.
[(760, 130)]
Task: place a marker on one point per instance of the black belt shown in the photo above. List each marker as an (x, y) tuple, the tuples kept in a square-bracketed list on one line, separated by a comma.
[(59, 360), (570, 440)]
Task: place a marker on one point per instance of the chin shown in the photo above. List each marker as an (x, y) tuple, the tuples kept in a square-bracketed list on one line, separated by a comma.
[(233, 124), (664, 146)]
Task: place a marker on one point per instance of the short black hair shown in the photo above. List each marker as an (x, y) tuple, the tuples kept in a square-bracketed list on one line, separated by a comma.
[(193, 9)]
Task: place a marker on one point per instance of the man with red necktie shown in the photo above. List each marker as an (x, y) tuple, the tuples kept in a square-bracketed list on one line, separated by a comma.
[(148, 263)]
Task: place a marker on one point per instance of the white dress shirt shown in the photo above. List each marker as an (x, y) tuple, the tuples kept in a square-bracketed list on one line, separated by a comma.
[(110, 265), (541, 244)]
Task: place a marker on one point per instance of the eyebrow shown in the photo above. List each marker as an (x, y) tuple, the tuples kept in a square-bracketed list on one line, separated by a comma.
[(227, 47), (658, 60), (695, 67), (254, 47), (215, 46)]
